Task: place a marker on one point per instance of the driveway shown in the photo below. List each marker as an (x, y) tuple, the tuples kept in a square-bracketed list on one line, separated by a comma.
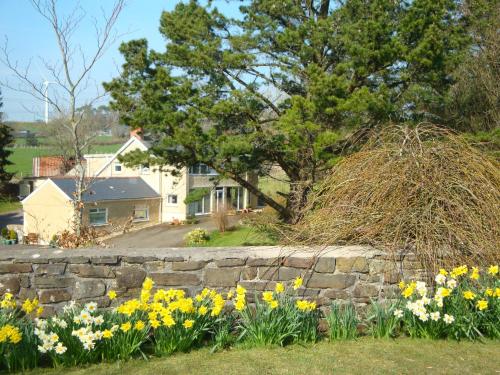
[(163, 235), (14, 217)]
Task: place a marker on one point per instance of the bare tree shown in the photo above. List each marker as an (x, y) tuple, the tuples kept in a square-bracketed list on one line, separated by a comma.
[(72, 76)]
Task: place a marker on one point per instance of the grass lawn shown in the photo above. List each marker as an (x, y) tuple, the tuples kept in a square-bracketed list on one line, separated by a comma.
[(239, 236), (7, 206), (22, 158), (363, 356)]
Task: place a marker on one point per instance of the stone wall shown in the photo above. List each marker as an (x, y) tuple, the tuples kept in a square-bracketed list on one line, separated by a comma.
[(56, 276)]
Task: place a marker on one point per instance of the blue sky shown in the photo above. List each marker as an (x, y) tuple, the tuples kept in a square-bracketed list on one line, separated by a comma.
[(30, 37)]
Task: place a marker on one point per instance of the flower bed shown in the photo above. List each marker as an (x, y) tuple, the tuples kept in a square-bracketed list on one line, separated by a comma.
[(463, 304)]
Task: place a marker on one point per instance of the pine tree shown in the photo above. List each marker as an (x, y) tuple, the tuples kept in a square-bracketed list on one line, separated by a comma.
[(5, 141)]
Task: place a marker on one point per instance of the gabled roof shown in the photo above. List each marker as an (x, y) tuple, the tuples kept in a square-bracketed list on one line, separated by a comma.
[(112, 188), (143, 144), (102, 189)]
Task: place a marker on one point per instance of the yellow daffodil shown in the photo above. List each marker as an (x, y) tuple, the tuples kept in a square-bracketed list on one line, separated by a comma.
[(125, 327), (202, 310), (147, 284), (240, 290), (111, 295), (489, 292), (297, 283), (443, 272), (107, 334), (188, 323), (402, 285), (469, 295), (139, 325), (280, 288), (482, 304), (474, 273), (493, 270), (267, 296), (273, 304)]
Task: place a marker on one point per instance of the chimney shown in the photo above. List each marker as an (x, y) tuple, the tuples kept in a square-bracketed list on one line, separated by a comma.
[(136, 133)]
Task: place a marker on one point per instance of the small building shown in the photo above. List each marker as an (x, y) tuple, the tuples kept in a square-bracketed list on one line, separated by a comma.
[(110, 204)]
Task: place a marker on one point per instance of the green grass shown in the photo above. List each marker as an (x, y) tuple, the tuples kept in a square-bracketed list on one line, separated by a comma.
[(363, 356), (8, 206), (239, 236), (22, 158)]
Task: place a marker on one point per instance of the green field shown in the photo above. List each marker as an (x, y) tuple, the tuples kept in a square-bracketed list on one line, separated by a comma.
[(8, 206), (22, 158), (363, 356)]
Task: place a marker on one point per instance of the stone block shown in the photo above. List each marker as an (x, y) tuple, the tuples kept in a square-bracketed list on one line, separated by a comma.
[(297, 262), (323, 280), (9, 284), (366, 290), (88, 289), (138, 259), (230, 262), (26, 293), (268, 273), (129, 277), (154, 266), (36, 260), (54, 295), (76, 260), (104, 259), (25, 281), (188, 265), (352, 264), (288, 273), (54, 269), (49, 282), (325, 265), (176, 279), (102, 302), (334, 294), (221, 277), (173, 259), (377, 266), (258, 285), (15, 268), (248, 273), (392, 277), (89, 270), (257, 262)]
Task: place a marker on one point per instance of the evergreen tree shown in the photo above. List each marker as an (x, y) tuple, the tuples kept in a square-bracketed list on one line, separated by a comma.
[(5, 141), (292, 83)]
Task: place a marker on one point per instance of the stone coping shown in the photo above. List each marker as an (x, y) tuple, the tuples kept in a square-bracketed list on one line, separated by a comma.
[(46, 255)]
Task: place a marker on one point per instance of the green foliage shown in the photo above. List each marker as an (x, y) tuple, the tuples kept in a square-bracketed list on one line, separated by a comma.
[(342, 322), (31, 140), (290, 83), (5, 233), (382, 323), (277, 320), (6, 140), (12, 234), (196, 195)]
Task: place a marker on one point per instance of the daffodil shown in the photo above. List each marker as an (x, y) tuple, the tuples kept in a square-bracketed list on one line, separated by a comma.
[(125, 327), (493, 270), (482, 304), (188, 323), (469, 295), (280, 288), (111, 295)]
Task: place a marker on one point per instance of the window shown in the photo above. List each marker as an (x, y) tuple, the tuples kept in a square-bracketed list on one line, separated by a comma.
[(145, 168), (172, 199), (202, 169), (98, 216), (141, 213), (118, 167)]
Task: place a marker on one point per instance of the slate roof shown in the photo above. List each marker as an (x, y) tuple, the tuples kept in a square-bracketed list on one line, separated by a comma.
[(112, 188)]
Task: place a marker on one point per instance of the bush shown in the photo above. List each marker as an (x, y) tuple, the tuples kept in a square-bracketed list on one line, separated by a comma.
[(197, 237), (342, 322), (421, 189), (5, 233), (277, 319), (12, 235)]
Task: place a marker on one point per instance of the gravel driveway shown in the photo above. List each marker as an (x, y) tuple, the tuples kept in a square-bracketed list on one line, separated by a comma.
[(163, 235)]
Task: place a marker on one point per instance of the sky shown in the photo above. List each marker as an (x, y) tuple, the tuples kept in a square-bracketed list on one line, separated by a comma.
[(31, 38)]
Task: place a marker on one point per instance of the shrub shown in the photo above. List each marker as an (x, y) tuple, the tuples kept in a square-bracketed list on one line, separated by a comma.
[(12, 235), (220, 218), (277, 319), (419, 188), (342, 321), (463, 304), (197, 237), (5, 233)]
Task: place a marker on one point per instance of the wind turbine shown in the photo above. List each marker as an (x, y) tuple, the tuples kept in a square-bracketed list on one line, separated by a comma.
[(46, 95)]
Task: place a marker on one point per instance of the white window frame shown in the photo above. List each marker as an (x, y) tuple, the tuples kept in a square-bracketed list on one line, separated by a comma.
[(141, 207), (97, 209), (169, 196), (117, 164)]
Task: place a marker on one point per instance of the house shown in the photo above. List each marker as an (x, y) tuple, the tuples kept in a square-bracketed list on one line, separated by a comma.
[(109, 203), (47, 210)]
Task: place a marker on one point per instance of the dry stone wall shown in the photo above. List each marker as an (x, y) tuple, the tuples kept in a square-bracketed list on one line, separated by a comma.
[(57, 276)]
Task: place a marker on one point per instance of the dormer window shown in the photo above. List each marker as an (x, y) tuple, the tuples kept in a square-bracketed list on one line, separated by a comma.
[(117, 167), (145, 168)]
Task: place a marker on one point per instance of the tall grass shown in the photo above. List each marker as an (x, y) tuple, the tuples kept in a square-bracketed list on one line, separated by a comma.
[(342, 321)]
